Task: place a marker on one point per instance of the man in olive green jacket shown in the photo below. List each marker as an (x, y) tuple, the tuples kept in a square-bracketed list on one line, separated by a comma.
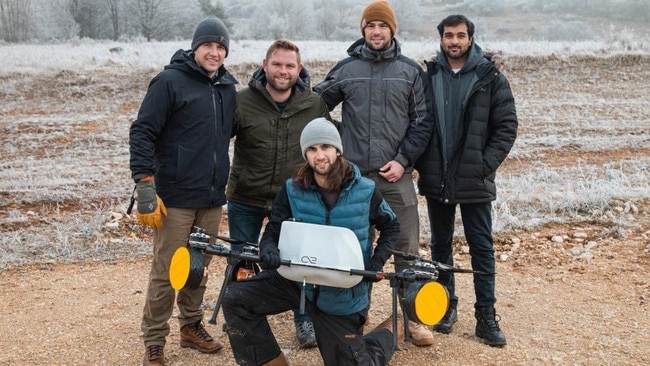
[(269, 119)]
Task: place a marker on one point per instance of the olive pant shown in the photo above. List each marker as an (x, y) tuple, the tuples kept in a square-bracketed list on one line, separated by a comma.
[(159, 303)]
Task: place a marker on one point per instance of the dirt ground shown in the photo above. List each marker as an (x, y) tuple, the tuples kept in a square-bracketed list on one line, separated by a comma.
[(568, 293), (592, 312)]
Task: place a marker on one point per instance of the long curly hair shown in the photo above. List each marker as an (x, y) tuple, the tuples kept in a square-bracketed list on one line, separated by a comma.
[(341, 172)]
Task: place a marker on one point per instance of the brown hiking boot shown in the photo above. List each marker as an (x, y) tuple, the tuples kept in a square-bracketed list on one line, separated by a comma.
[(388, 324), (281, 360), (195, 336), (154, 356)]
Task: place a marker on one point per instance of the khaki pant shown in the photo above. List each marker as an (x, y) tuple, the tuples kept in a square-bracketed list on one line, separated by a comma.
[(159, 303), (402, 199)]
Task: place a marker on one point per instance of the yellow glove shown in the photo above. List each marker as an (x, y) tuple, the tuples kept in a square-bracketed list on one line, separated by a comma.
[(151, 208)]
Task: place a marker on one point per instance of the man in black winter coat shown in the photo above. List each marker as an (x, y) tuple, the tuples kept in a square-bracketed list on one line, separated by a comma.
[(475, 128), (179, 161)]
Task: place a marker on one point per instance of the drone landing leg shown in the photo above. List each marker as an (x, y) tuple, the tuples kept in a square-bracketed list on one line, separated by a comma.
[(226, 281), (395, 284)]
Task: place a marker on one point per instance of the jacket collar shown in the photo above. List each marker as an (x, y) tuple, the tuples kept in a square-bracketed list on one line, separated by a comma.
[(361, 50)]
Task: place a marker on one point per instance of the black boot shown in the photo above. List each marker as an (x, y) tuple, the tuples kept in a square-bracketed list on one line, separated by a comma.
[(487, 327), (446, 324)]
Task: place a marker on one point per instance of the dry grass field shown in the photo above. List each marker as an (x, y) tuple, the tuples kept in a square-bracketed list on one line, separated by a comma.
[(572, 223)]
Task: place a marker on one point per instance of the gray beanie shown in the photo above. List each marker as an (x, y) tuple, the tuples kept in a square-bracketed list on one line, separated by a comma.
[(320, 131), (211, 29)]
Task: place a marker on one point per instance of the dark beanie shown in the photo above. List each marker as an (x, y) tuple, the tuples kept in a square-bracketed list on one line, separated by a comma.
[(211, 29), (379, 10)]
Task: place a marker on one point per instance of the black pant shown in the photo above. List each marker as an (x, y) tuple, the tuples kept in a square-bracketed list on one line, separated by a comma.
[(340, 337), (477, 223)]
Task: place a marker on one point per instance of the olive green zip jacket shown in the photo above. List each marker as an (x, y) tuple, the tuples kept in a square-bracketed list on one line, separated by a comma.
[(267, 140)]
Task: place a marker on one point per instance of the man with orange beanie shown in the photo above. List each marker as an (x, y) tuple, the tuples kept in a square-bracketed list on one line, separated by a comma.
[(385, 125)]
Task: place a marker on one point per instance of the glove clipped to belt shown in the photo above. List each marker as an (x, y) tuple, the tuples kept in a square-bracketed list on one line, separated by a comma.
[(151, 208)]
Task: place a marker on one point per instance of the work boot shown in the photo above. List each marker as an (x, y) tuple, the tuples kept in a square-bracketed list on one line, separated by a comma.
[(305, 334), (420, 335), (388, 324), (154, 356), (195, 336), (446, 324), (281, 360), (487, 327)]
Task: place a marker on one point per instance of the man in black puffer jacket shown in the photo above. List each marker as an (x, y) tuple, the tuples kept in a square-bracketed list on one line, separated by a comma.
[(475, 128)]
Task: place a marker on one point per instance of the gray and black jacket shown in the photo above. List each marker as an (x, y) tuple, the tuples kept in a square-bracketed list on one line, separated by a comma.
[(384, 112), (463, 170)]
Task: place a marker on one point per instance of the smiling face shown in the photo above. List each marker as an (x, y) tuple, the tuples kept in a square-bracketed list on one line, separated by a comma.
[(377, 35), (321, 158), (210, 56), (455, 44), (282, 68)]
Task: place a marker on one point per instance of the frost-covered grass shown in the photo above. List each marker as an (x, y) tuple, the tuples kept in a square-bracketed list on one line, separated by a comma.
[(88, 54), (584, 192), (582, 153)]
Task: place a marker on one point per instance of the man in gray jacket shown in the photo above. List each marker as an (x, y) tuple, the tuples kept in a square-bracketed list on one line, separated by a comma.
[(476, 126), (385, 126), (269, 119)]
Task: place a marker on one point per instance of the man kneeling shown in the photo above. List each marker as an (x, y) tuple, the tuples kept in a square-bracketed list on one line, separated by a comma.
[(327, 190)]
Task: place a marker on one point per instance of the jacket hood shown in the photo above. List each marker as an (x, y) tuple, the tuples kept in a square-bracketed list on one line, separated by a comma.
[(474, 57), (183, 60), (360, 50)]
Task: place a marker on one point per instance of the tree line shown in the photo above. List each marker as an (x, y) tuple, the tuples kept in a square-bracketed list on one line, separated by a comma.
[(161, 20)]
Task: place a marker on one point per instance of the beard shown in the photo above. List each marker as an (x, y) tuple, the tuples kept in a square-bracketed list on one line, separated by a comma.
[(273, 83), (456, 56), (322, 170)]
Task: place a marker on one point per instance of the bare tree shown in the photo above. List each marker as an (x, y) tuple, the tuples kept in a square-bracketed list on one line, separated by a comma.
[(334, 18), (408, 14), (114, 11), (294, 15), (217, 10), (148, 12), (90, 16), (15, 20)]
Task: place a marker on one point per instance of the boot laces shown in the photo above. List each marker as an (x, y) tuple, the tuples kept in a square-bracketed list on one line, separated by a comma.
[(493, 322), (305, 329), (200, 331), (154, 352)]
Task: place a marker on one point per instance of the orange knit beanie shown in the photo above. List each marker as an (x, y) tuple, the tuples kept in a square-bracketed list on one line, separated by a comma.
[(379, 10)]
